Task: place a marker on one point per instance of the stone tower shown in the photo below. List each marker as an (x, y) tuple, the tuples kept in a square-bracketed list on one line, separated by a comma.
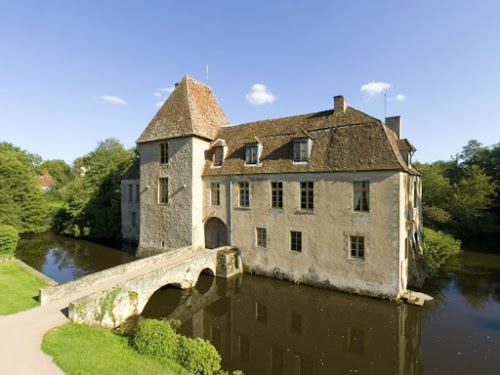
[(172, 159)]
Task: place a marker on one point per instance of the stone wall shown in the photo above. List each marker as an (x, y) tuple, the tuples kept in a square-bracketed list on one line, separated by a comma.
[(130, 210), (325, 260), (52, 293), (109, 308)]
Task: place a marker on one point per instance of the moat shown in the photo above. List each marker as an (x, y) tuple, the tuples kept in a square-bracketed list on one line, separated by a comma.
[(266, 326)]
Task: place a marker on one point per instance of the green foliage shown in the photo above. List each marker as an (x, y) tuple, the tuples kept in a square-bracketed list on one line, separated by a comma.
[(92, 351), (59, 170), (93, 200), (157, 337), (23, 204), (18, 288), (198, 356), (437, 247), (9, 238)]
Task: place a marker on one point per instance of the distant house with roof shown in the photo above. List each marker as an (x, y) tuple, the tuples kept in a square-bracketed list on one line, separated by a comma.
[(45, 182), (329, 198)]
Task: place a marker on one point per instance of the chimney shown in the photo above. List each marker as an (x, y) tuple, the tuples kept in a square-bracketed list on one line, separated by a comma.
[(394, 123), (340, 105)]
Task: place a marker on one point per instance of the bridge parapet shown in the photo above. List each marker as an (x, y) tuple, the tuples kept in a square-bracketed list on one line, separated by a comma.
[(111, 307)]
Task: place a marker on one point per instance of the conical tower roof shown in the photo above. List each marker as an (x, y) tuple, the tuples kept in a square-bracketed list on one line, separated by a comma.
[(191, 109)]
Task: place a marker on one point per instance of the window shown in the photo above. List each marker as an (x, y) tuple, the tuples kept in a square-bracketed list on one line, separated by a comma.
[(214, 194), (261, 312), (296, 241), (252, 154), (137, 193), (244, 346), (163, 153), (277, 194), (244, 194), (163, 189), (134, 219), (218, 156), (306, 196), (357, 247), (261, 237), (361, 196), (300, 150), (415, 194), (130, 192)]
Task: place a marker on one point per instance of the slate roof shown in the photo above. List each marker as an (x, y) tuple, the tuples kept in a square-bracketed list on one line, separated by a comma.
[(133, 172), (191, 109), (349, 141)]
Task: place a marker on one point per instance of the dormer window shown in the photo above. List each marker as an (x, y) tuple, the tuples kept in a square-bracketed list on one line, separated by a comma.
[(252, 154), (301, 150), (218, 156)]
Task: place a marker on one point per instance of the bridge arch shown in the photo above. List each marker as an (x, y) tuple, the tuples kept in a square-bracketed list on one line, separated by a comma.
[(215, 233), (206, 279)]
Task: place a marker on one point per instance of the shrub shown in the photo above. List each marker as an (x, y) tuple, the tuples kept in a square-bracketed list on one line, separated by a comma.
[(157, 337), (198, 356), (9, 237), (438, 247)]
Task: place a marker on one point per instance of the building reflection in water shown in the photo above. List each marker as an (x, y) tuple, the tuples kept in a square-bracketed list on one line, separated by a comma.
[(265, 326)]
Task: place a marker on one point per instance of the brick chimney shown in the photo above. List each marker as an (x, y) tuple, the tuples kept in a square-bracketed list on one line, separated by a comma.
[(394, 123), (340, 104)]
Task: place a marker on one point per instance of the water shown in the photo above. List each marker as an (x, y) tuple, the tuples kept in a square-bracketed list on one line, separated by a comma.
[(64, 258), (266, 326)]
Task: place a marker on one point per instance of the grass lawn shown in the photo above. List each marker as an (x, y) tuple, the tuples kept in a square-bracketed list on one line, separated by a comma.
[(87, 350), (18, 288)]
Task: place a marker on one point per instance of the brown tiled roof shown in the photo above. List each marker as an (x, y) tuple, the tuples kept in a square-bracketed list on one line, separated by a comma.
[(191, 109), (45, 181), (133, 172), (350, 141)]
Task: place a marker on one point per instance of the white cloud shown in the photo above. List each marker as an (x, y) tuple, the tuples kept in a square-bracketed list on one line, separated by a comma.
[(260, 95), (163, 95), (168, 89), (113, 99), (400, 97), (373, 88)]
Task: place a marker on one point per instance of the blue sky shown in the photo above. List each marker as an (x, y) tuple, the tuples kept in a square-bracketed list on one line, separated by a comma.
[(60, 61)]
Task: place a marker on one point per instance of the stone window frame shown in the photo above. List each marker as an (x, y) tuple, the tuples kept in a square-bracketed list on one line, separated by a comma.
[(214, 194), (163, 190), (277, 195), (415, 193), (244, 194), (363, 189), (306, 196), (137, 192), (296, 241), (359, 241), (261, 237), (130, 192), (301, 150), (252, 154), (163, 153), (218, 156)]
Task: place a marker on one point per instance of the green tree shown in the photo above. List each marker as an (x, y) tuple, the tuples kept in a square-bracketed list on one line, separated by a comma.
[(22, 202), (59, 170), (93, 201), (9, 238)]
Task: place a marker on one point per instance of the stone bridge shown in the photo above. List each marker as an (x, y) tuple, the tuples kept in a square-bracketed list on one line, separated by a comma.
[(137, 281)]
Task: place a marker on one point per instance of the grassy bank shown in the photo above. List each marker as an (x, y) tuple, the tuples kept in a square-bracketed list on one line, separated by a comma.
[(86, 350), (18, 288)]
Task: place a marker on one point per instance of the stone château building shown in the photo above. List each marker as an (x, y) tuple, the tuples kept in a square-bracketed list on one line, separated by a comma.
[(329, 199)]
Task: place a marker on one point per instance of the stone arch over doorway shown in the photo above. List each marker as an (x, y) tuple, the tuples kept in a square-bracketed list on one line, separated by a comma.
[(215, 233)]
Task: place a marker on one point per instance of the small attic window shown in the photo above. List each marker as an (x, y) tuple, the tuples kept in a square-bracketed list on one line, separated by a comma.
[(218, 156), (301, 150), (252, 154)]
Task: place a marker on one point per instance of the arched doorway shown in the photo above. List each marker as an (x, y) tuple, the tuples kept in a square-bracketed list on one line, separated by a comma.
[(215, 233)]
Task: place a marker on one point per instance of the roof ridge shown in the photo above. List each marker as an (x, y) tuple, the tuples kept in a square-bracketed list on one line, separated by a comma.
[(189, 103)]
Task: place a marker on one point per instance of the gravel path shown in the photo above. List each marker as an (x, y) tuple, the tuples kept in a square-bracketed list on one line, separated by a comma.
[(21, 334)]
